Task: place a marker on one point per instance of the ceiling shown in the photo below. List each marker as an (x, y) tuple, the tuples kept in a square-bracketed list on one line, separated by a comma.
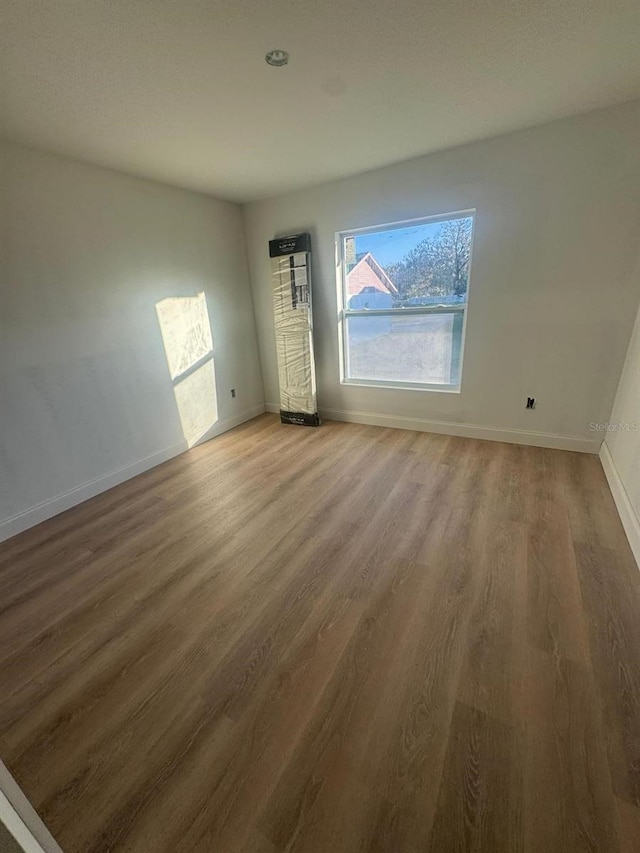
[(178, 90)]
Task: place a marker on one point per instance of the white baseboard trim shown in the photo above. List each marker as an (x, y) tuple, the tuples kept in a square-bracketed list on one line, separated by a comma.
[(21, 819), (230, 423), (54, 506), (512, 436), (627, 514)]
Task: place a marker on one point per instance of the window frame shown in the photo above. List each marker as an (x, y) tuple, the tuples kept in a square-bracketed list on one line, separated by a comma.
[(344, 313)]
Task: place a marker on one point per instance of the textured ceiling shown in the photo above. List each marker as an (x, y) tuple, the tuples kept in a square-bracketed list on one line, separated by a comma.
[(178, 90)]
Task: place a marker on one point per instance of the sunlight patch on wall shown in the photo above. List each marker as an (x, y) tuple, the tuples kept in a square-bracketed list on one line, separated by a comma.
[(197, 403), (186, 331), (188, 344)]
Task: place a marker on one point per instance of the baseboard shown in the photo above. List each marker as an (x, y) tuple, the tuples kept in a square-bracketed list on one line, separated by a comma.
[(21, 819), (54, 506), (627, 514), (512, 436), (230, 423)]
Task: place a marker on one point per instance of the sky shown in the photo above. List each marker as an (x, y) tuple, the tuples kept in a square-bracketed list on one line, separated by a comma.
[(388, 247)]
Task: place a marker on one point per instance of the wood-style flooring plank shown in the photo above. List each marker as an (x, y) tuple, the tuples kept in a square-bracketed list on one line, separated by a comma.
[(480, 804), (339, 639), (628, 826), (568, 793), (491, 677), (610, 585)]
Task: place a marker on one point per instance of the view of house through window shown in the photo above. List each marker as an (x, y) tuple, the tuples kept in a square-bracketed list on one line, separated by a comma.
[(404, 297)]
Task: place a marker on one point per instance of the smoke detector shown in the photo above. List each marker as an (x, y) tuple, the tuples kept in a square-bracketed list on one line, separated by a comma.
[(277, 58)]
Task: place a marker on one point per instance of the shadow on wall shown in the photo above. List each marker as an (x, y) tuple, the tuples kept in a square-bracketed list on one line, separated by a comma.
[(188, 345)]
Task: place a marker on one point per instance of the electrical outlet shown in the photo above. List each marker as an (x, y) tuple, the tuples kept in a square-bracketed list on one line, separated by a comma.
[(531, 402), (233, 392)]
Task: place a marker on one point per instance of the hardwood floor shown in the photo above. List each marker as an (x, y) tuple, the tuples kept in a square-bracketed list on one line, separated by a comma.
[(334, 640)]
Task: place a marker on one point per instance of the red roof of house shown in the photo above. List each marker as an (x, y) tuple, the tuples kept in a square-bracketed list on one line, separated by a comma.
[(368, 273)]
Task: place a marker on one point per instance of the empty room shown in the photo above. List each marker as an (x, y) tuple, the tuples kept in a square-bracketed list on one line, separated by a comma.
[(319, 426)]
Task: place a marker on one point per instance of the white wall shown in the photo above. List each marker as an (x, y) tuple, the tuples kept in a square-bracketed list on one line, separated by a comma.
[(621, 450), (552, 299), (86, 398)]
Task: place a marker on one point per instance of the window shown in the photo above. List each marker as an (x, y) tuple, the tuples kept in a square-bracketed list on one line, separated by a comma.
[(403, 301)]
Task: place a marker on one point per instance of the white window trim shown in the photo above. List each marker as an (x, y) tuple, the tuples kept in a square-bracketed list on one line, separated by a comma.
[(344, 312)]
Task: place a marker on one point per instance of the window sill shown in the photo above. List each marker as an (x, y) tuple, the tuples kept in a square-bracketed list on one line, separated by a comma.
[(401, 386)]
